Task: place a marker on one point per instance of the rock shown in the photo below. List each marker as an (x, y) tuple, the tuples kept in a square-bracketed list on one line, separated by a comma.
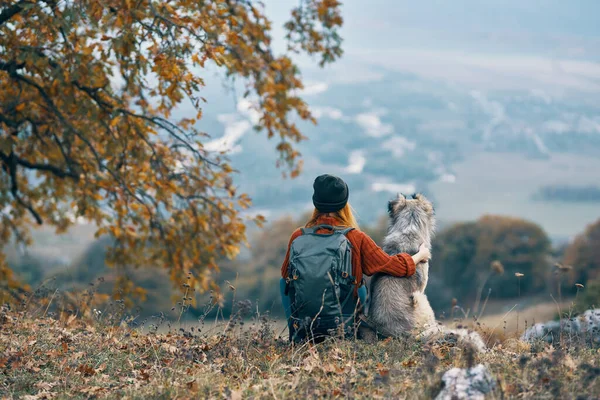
[(460, 383), (584, 329)]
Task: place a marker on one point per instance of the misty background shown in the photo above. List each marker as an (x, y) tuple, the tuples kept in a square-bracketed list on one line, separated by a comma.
[(486, 107)]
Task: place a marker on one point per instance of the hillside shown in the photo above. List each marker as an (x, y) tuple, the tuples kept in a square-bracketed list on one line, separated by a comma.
[(42, 358)]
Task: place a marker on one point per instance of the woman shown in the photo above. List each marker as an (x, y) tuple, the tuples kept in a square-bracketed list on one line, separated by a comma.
[(330, 199)]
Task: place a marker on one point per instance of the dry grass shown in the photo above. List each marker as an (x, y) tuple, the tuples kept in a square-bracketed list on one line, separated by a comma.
[(42, 357)]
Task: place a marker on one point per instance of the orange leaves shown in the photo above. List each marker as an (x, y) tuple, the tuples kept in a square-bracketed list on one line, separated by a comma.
[(91, 113), (115, 231), (231, 251), (114, 122), (314, 28)]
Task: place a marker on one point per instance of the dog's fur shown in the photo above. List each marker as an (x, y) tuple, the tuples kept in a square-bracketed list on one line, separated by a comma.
[(399, 306)]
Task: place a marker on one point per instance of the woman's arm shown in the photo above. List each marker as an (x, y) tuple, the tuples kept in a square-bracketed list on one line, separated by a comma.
[(374, 259), (284, 266)]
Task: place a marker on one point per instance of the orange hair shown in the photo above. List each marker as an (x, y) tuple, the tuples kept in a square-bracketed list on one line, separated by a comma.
[(345, 217)]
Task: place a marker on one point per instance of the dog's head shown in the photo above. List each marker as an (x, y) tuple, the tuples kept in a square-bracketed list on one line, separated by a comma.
[(413, 209)]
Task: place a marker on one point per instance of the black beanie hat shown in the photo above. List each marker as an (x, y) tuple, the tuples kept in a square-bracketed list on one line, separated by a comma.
[(331, 193)]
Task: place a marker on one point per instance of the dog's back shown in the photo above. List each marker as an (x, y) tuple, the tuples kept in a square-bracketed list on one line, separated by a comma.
[(398, 305)]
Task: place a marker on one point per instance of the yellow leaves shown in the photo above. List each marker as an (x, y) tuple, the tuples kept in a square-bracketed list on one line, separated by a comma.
[(114, 122), (260, 220), (203, 223), (296, 171), (244, 201), (196, 59), (130, 231), (115, 231), (231, 251), (120, 142), (100, 232)]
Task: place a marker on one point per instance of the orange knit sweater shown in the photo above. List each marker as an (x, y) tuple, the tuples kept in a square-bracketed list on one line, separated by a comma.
[(367, 257)]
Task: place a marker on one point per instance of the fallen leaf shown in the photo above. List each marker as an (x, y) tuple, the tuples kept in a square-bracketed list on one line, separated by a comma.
[(169, 347), (45, 386), (91, 390), (39, 396), (409, 363), (569, 363), (86, 370), (192, 385), (70, 319)]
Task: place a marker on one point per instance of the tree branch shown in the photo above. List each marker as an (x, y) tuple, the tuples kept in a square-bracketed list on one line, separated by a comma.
[(10, 66), (11, 163), (60, 116), (48, 168)]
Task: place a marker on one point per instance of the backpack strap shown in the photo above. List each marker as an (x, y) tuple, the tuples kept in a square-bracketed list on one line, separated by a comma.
[(345, 230), (313, 230), (333, 229)]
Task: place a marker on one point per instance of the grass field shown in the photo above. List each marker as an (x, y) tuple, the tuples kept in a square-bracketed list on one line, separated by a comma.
[(73, 357)]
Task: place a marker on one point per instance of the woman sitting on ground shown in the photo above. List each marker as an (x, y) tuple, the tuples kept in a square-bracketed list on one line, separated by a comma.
[(333, 214)]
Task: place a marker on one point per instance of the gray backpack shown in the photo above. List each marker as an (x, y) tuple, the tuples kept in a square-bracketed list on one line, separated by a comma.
[(320, 284)]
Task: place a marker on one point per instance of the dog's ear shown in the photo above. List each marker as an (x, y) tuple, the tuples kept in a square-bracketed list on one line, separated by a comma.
[(394, 206), (391, 208), (425, 204)]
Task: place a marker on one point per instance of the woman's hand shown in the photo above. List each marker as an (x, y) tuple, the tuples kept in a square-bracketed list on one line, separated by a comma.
[(422, 255)]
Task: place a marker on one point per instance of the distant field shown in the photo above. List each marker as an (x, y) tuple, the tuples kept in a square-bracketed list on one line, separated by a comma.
[(505, 183), (527, 316)]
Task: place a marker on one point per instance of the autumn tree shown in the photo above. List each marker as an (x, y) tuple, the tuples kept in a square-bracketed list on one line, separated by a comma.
[(489, 252), (583, 255), (87, 92)]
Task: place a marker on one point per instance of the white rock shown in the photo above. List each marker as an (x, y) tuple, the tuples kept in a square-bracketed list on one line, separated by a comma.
[(584, 328), (473, 383)]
